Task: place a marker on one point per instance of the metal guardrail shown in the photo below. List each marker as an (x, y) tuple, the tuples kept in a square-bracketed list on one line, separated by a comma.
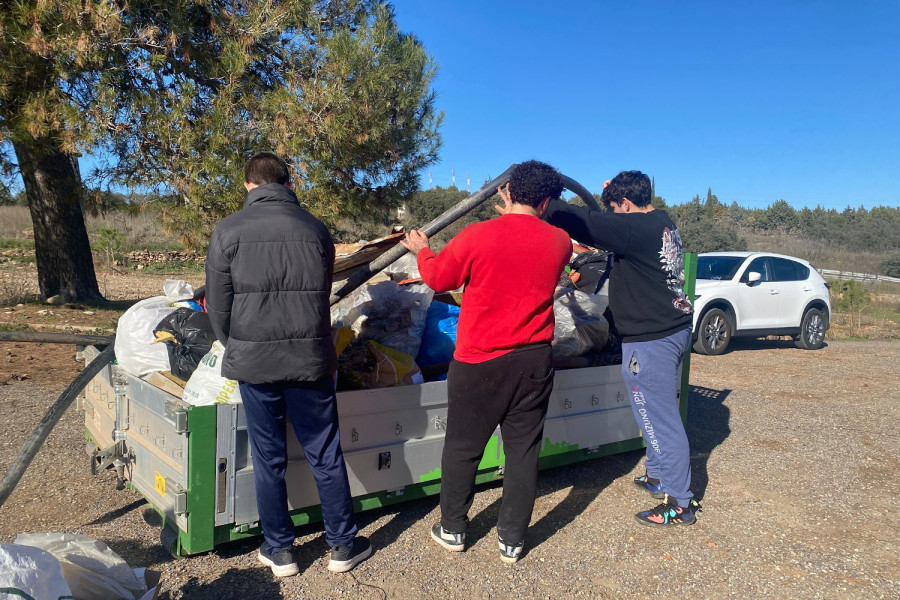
[(866, 277)]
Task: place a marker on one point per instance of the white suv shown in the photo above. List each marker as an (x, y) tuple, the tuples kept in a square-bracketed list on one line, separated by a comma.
[(755, 294)]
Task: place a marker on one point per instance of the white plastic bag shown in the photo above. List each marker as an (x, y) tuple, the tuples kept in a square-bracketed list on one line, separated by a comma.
[(207, 386), (32, 571), (135, 351), (581, 327), (90, 568), (178, 289)]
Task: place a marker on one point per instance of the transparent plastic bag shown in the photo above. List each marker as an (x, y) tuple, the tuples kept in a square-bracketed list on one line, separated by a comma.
[(90, 568), (581, 327), (388, 313), (405, 267)]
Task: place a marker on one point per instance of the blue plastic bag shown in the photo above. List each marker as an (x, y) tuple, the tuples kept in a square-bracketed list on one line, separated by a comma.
[(439, 337)]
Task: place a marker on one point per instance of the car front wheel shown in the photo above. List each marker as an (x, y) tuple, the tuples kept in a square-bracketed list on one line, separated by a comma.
[(812, 330), (714, 333)]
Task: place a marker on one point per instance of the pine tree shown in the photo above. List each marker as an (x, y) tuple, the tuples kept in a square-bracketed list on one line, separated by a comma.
[(178, 95)]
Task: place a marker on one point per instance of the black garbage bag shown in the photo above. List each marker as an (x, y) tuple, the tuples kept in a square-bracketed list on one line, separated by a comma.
[(593, 267), (193, 337), (587, 272)]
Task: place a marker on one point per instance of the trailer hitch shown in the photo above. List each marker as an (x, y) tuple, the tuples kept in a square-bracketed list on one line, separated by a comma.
[(117, 455)]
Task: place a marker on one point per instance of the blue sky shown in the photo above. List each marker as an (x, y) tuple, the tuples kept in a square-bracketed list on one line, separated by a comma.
[(760, 101)]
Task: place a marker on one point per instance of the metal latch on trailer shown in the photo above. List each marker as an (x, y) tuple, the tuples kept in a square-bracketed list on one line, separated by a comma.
[(178, 415)]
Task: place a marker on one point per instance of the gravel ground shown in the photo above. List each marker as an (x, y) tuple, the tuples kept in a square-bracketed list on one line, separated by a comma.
[(792, 457)]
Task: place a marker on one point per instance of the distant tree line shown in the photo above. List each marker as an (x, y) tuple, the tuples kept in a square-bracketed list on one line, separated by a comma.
[(705, 225), (710, 225)]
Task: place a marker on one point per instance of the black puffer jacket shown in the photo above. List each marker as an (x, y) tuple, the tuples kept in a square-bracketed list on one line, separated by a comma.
[(268, 279)]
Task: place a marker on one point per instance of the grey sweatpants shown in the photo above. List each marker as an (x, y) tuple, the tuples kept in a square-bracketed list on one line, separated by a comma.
[(650, 370)]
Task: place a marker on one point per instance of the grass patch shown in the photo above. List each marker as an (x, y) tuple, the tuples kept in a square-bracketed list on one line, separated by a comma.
[(25, 258), (7, 243), (174, 268)]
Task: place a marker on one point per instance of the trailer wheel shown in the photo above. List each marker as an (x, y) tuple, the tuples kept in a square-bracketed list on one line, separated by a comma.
[(168, 538), (812, 330), (714, 333)]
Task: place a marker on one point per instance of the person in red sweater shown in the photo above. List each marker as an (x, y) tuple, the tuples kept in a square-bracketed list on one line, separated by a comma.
[(502, 369)]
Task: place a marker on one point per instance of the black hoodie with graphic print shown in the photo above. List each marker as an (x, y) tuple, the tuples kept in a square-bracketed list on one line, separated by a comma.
[(646, 286)]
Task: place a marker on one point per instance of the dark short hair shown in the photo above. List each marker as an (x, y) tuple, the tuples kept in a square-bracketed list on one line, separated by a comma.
[(532, 181), (265, 168), (633, 185)]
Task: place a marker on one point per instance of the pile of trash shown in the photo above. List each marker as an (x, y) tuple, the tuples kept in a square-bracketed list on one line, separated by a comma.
[(168, 341), (386, 333), (55, 566)]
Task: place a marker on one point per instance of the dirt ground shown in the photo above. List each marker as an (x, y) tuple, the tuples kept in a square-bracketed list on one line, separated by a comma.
[(793, 458)]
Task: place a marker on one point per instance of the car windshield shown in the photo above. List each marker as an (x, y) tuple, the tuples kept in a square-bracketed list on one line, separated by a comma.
[(718, 267)]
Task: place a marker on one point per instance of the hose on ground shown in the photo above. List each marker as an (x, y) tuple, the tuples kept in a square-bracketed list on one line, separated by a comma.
[(39, 435)]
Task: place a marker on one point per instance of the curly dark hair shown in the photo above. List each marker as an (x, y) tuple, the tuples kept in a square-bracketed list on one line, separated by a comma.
[(532, 181), (633, 185)]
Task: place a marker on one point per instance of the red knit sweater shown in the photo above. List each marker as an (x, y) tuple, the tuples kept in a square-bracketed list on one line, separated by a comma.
[(510, 267)]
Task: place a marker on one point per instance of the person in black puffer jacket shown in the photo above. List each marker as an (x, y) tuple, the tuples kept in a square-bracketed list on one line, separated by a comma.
[(269, 271)]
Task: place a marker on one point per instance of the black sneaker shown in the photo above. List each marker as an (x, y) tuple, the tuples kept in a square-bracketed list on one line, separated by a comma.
[(669, 514), (510, 553), (344, 558), (282, 562), (454, 542), (648, 484)]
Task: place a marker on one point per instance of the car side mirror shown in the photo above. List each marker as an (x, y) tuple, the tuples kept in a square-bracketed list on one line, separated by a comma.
[(753, 277)]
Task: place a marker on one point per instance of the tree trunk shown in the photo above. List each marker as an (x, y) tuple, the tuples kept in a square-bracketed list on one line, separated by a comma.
[(53, 190)]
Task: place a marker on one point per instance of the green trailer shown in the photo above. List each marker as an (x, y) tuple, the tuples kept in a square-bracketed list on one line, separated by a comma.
[(193, 463)]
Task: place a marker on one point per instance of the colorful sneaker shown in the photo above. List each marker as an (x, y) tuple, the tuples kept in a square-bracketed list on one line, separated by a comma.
[(454, 542), (510, 553), (344, 558), (648, 484), (669, 514), (282, 562)]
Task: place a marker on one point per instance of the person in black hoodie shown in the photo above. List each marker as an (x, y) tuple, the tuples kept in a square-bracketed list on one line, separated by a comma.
[(654, 315), (269, 271)]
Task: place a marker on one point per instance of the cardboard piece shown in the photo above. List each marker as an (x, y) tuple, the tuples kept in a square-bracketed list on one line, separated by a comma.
[(167, 382)]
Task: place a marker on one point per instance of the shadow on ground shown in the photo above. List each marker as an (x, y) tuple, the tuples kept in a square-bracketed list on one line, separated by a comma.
[(122, 511), (584, 480), (234, 583), (741, 344), (707, 427)]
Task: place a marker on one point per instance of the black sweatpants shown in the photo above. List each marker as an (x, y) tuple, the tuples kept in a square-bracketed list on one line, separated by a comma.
[(513, 391)]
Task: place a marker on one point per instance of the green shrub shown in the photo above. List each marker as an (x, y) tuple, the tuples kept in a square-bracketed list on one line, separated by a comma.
[(111, 243), (891, 265), (853, 296)]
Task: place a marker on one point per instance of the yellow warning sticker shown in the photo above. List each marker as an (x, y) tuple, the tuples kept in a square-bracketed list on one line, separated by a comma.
[(161, 485)]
